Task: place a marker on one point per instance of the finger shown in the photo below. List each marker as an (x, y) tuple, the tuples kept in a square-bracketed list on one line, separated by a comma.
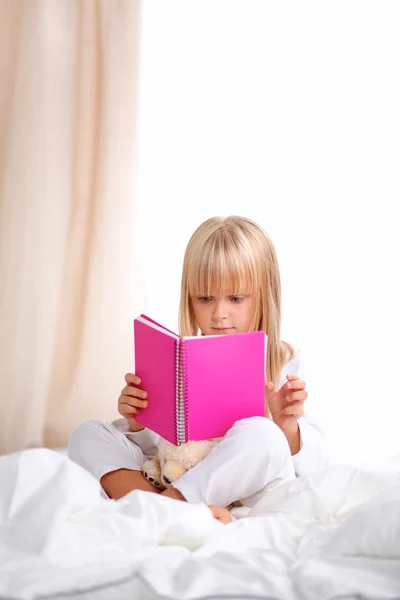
[(128, 411), (132, 378), (295, 384), (130, 390), (131, 401), (297, 397), (292, 377), (270, 389)]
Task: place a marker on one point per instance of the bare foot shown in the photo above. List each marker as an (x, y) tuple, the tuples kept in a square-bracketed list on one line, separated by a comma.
[(221, 514)]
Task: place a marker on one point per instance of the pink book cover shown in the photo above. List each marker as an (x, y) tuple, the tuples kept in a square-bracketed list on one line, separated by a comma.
[(223, 380), (155, 352)]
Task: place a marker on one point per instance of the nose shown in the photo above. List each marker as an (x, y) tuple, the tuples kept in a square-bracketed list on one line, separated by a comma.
[(219, 313)]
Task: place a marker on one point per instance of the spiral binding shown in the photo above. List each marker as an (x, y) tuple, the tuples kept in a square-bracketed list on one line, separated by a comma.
[(181, 412)]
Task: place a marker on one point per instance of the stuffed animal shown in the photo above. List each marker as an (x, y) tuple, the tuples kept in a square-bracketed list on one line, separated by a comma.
[(171, 462)]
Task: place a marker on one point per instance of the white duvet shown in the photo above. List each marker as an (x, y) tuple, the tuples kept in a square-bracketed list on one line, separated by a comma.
[(335, 534)]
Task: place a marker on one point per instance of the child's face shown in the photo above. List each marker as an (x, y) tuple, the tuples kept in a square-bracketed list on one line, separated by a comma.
[(222, 315)]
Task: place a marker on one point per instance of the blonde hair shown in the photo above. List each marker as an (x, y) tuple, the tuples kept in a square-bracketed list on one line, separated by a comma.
[(225, 255)]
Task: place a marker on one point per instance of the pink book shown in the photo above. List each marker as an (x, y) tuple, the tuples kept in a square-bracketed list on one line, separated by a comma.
[(198, 387)]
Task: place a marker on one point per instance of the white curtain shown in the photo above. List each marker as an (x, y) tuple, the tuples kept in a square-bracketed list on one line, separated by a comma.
[(70, 280), (287, 112)]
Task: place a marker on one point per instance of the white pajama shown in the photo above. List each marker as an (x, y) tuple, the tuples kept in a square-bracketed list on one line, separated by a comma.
[(252, 458), (101, 447)]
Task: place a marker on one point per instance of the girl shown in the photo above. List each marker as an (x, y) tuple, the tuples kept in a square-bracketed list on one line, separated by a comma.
[(230, 284)]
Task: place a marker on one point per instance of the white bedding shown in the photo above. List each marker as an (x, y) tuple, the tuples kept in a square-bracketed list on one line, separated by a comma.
[(335, 534)]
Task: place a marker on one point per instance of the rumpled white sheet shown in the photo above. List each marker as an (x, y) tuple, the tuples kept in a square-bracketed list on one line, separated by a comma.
[(336, 533)]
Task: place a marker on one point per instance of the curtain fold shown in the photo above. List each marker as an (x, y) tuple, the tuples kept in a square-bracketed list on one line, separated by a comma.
[(69, 259)]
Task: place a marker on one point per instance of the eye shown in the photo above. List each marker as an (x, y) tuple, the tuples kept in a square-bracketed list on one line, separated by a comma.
[(236, 299), (204, 299)]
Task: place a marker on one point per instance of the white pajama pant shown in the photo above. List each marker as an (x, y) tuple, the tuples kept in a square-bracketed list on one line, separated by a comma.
[(252, 458)]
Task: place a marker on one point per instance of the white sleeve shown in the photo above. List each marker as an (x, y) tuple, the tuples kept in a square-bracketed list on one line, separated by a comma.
[(313, 454), (146, 439)]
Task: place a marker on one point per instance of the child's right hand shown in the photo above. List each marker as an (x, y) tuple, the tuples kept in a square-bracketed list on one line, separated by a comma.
[(132, 399)]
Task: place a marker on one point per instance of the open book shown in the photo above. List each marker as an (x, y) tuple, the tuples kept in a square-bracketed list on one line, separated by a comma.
[(198, 387)]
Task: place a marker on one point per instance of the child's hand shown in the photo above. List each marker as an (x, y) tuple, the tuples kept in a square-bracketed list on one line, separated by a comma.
[(286, 405), (131, 399)]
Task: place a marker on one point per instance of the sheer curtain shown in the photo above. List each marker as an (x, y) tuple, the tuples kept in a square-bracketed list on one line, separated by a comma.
[(70, 279)]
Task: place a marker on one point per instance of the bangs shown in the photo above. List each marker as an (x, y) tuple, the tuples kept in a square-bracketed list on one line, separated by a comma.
[(222, 270)]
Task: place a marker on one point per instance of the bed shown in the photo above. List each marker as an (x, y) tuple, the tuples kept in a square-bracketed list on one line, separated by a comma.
[(335, 534)]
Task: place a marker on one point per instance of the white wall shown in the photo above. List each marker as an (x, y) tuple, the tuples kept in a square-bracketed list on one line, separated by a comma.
[(287, 113)]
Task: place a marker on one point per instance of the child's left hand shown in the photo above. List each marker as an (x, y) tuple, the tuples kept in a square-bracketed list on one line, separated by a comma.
[(286, 405)]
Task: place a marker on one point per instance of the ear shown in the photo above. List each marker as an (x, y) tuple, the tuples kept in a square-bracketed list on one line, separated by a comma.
[(172, 452)]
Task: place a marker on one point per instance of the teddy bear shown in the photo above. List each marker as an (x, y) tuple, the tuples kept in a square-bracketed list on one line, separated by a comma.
[(171, 462)]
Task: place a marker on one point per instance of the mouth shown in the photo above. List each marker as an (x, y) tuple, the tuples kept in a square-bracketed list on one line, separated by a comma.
[(222, 328)]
